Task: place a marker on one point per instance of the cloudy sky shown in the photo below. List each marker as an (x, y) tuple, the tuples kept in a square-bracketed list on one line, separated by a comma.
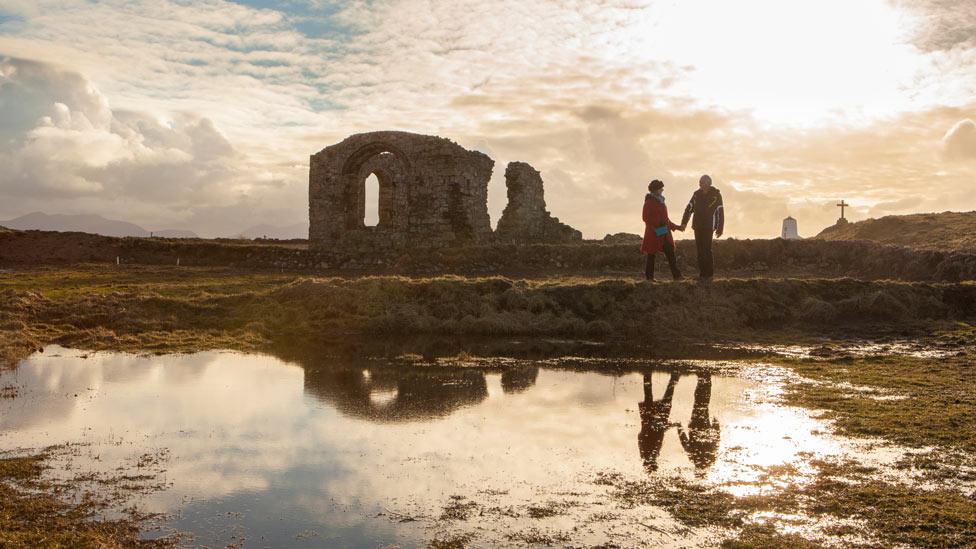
[(202, 114)]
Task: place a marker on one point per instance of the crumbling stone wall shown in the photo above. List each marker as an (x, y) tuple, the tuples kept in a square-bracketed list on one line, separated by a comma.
[(525, 218), (432, 192)]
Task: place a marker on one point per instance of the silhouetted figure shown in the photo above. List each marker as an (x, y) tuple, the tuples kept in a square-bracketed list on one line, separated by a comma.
[(654, 422), (701, 440), (706, 205)]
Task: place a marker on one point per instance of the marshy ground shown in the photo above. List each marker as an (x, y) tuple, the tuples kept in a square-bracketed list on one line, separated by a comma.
[(839, 412)]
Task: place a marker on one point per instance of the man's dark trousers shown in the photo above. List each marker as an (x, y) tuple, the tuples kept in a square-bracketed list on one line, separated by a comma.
[(703, 241), (672, 262)]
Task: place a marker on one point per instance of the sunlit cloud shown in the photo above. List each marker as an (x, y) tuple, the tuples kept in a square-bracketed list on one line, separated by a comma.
[(960, 141), (199, 114)]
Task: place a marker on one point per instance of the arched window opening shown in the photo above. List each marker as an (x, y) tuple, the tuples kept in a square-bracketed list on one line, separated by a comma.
[(372, 193)]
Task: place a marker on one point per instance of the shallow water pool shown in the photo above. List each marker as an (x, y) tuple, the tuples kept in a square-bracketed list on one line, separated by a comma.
[(345, 452)]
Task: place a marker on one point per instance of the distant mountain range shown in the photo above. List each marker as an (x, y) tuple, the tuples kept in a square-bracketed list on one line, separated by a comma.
[(96, 224)]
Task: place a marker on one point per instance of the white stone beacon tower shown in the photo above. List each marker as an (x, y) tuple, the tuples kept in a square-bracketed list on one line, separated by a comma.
[(789, 229)]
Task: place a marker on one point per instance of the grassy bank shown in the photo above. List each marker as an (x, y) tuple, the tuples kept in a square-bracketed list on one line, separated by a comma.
[(934, 231), (184, 309), (916, 402)]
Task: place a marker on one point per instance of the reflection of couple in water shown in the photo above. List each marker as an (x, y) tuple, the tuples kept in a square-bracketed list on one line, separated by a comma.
[(701, 439)]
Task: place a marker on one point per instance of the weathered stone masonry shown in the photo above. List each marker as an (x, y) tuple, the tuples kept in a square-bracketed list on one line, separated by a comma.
[(432, 192), (525, 218)]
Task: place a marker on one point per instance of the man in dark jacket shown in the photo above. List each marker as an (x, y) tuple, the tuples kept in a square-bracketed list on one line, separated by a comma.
[(702, 438), (706, 205)]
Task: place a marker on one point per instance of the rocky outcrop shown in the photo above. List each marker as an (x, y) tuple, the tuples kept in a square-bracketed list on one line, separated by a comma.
[(622, 238), (525, 218)]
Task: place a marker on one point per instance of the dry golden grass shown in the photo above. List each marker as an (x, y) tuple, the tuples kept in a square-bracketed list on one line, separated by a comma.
[(936, 231), (185, 309)]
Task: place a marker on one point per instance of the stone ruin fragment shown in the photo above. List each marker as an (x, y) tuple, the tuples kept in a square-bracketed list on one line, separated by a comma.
[(432, 192), (525, 218)]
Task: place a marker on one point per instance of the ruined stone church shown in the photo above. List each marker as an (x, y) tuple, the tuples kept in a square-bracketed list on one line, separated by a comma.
[(432, 192)]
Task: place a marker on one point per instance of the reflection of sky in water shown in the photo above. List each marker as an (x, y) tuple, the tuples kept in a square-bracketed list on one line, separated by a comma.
[(325, 450)]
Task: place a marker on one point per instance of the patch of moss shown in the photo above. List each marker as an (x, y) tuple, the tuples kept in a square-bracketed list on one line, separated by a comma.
[(22, 469), (458, 509), (546, 510), (764, 536), (456, 541), (31, 514), (536, 537), (917, 402), (895, 513)]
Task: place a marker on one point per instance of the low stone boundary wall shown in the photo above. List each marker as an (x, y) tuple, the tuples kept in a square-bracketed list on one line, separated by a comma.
[(740, 258)]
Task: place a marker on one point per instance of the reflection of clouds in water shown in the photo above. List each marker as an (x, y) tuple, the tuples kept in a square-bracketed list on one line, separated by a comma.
[(251, 424), (219, 413), (48, 380)]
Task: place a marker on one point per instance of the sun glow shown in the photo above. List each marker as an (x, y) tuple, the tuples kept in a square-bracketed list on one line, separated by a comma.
[(788, 63)]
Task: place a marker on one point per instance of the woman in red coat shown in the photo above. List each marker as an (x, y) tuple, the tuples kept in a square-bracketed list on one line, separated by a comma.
[(657, 231)]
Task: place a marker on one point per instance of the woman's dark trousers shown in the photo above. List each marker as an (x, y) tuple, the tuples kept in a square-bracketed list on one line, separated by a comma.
[(672, 262)]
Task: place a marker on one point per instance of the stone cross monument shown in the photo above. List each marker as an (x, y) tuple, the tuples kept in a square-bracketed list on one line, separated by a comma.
[(842, 220)]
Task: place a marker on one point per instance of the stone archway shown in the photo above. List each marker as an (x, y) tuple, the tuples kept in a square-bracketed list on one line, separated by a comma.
[(392, 174), (432, 192)]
